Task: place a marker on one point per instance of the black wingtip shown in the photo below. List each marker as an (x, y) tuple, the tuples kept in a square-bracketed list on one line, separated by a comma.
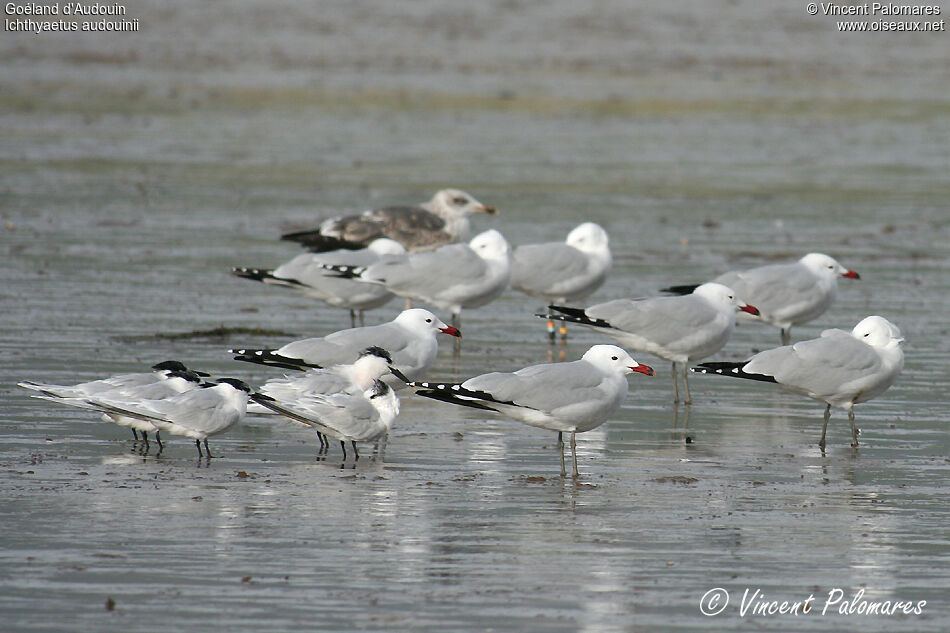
[(685, 289), (254, 274), (733, 369), (271, 359), (574, 315), (316, 242)]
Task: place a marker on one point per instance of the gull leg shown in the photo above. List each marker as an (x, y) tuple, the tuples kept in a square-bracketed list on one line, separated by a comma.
[(135, 435), (207, 450), (560, 450), (408, 304), (786, 335), (824, 428), (158, 438), (854, 429), (355, 451), (676, 388), (352, 318), (552, 331), (362, 318), (688, 399), (574, 454), (198, 446), (457, 323), (562, 330), (343, 446)]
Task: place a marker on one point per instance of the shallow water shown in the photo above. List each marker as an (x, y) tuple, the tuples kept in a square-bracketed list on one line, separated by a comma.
[(134, 175)]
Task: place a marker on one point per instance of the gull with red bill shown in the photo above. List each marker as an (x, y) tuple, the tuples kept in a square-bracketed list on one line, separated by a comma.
[(839, 368), (680, 329), (786, 294), (410, 338), (565, 397)]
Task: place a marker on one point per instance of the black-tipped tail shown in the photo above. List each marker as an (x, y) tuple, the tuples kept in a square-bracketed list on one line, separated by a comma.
[(344, 271), (272, 359), (455, 393), (573, 315), (730, 369), (254, 274), (686, 289)]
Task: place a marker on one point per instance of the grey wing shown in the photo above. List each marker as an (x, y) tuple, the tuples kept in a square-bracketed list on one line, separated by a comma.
[(348, 415), (312, 382), (662, 320), (768, 287), (432, 272), (820, 366), (544, 267), (544, 387)]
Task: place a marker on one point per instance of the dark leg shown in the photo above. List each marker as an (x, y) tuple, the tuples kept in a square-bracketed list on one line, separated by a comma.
[(560, 451), (352, 318), (824, 428), (198, 446), (574, 454), (355, 451), (854, 429), (343, 446), (362, 318), (786, 335), (135, 435), (158, 438), (207, 450)]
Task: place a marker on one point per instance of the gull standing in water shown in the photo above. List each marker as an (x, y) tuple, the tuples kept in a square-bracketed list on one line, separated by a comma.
[(410, 338), (565, 397), (786, 294), (305, 274), (563, 272), (680, 329), (441, 220), (451, 277), (839, 368)]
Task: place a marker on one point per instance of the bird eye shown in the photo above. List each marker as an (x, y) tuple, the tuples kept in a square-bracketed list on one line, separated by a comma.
[(867, 334), (460, 201), (428, 320), (613, 358)]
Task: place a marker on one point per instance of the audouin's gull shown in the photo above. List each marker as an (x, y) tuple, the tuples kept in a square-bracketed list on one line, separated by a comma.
[(441, 220), (565, 397), (451, 277), (786, 294), (410, 338), (211, 409), (839, 368), (346, 402), (563, 272), (680, 329), (306, 274)]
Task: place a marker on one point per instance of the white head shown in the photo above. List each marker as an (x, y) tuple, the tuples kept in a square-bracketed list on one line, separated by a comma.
[(724, 296), (615, 359), (419, 320), (877, 332), (822, 264), (459, 202), (386, 246), (491, 245), (589, 238)]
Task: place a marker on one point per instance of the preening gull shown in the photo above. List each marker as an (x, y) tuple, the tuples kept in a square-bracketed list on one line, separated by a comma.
[(441, 220), (786, 294), (839, 368), (680, 329), (568, 397)]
